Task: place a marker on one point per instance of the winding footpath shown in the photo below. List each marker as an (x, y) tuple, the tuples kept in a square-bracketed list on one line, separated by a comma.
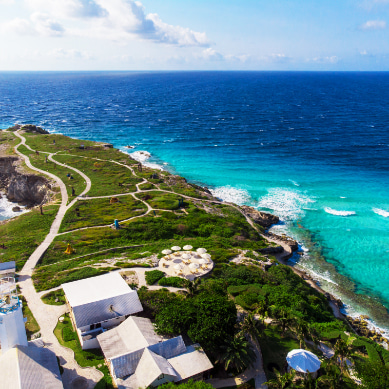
[(47, 315)]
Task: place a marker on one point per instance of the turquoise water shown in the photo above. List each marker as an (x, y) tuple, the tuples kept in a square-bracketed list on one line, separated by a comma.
[(310, 147)]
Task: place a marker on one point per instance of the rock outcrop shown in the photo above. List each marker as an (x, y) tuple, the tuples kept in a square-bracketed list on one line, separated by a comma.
[(262, 218), (26, 189), (28, 128)]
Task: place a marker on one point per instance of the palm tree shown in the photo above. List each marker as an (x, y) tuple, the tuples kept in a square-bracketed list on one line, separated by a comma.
[(331, 379), (250, 327), (343, 351), (281, 381), (238, 353), (192, 287), (284, 317)]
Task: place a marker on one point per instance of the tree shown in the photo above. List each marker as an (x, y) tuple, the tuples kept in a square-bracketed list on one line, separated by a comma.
[(237, 353), (281, 381), (343, 351), (250, 326), (374, 375), (187, 385), (192, 287)]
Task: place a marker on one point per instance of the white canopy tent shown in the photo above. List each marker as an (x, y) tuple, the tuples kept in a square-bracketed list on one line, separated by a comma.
[(303, 361)]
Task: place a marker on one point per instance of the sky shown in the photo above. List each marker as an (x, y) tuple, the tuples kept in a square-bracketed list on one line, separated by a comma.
[(326, 35)]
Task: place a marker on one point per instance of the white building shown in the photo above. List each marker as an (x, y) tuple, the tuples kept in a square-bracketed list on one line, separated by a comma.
[(99, 303), (29, 368), (138, 358), (12, 329), (7, 269)]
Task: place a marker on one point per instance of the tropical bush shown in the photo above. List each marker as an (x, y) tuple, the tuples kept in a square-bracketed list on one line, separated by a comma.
[(153, 276), (176, 282)]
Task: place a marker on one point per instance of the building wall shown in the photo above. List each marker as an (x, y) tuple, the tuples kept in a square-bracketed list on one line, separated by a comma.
[(164, 380)]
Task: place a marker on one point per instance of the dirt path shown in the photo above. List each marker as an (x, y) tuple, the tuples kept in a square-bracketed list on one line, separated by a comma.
[(47, 315)]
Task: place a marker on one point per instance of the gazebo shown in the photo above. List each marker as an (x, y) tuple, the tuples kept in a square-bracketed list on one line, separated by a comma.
[(303, 361)]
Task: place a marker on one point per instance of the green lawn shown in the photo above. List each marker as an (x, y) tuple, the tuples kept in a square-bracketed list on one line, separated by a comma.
[(22, 235), (101, 212), (39, 161), (72, 146), (31, 324), (56, 297), (161, 200), (107, 178), (274, 349), (85, 358), (8, 140)]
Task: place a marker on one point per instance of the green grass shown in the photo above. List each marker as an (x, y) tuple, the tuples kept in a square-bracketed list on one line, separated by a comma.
[(39, 161), (44, 280), (72, 146), (31, 324), (8, 140), (85, 358), (105, 176), (22, 235), (97, 212), (161, 200), (153, 276), (274, 349), (56, 297)]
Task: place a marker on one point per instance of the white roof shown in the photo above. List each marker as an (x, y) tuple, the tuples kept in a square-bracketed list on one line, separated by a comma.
[(135, 333), (303, 361), (95, 289), (194, 361), (24, 367)]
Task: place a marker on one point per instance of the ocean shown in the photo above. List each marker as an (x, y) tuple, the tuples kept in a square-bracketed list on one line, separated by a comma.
[(311, 147)]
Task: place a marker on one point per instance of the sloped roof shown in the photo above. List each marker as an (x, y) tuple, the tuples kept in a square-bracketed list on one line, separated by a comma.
[(116, 306), (7, 265), (94, 289), (126, 364), (29, 368), (303, 361), (150, 367), (169, 348), (135, 333), (192, 362)]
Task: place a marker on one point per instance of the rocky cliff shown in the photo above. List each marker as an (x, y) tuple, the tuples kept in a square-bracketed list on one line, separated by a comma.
[(262, 218), (26, 189)]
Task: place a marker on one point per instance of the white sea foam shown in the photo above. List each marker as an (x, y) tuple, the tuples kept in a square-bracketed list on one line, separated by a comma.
[(287, 204), (294, 183), (142, 157), (381, 212), (339, 213), (6, 209), (231, 194), (322, 276)]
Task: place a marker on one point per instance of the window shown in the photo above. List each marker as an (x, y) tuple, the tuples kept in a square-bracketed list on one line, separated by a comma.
[(98, 325), (161, 376)]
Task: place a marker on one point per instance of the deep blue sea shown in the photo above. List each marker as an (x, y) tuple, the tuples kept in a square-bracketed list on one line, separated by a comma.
[(312, 148)]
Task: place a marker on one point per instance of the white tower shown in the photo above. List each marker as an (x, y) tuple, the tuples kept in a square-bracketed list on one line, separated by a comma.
[(12, 330)]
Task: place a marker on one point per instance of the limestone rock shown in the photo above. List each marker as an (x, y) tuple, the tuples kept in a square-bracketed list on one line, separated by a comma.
[(33, 128), (262, 218)]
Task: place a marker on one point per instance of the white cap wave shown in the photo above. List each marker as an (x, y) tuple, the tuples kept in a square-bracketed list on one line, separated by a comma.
[(339, 213), (288, 204), (381, 212), (232, 195), (142, 157)]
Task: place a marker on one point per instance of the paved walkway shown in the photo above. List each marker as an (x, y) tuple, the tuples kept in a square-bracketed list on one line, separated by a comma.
[(47, 315)]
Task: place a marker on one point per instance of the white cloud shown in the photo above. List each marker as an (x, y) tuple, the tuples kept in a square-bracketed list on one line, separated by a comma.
[(373, 25), (69, 54), (117, 20), (39, 24), (211, 54), (333, 59)]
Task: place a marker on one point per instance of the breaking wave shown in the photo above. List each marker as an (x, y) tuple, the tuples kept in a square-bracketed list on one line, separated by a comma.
[(381, 212), (339, 213), (232, 195)]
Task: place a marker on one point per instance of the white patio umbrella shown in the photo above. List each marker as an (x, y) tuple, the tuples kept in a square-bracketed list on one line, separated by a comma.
[(194, 266), (201, 251), (177, 267), (176, 248), (166, 252), (188, 247), (185, 256), (303, 361), (205, 256), (203, 261)]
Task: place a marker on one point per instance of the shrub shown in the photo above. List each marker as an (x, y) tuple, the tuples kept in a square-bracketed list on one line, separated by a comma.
[(129, 264), (153, 276), (176, 282), (68, 334)]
